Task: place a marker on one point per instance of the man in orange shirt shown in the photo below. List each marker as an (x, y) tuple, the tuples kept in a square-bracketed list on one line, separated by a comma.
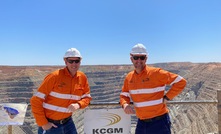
[(61, 93), (145, 86)]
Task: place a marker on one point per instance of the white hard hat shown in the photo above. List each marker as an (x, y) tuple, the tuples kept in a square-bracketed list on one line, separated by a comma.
[(139, 49), (72, 52)]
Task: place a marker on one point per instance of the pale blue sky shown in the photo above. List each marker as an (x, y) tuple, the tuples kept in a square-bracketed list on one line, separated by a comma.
[(38, 32)]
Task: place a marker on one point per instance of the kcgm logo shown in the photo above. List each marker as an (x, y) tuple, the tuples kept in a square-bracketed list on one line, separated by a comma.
[(107, 121), (110, 118)]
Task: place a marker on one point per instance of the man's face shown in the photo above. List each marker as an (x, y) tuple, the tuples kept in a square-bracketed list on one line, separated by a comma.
[(73, 63), (139, 61)]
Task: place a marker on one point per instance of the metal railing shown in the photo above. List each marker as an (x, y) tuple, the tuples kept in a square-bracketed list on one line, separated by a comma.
[(116, 104)]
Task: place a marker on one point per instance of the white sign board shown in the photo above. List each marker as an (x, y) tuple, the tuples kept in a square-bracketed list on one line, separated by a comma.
[(107, 121), (12, 113)]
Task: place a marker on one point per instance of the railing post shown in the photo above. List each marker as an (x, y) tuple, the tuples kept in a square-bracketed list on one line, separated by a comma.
[(219, 110), (9, 129)]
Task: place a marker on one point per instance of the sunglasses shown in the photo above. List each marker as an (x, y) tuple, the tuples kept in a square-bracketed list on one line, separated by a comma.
[(137, 57), (73, 61)]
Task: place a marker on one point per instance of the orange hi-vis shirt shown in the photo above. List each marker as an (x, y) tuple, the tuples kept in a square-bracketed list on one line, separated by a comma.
[(58, 90), (147, 89)]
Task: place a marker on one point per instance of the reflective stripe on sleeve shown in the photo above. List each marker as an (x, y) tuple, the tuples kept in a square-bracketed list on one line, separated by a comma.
[(86, 95), (125, 94), (148, 103), (178, 78), (40, 95), (56, 108), (147, 91)]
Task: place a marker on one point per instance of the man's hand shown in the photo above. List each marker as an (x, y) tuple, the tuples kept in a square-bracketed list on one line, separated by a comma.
[(48, 126), (73, 107), (165, 101), (128, 109)]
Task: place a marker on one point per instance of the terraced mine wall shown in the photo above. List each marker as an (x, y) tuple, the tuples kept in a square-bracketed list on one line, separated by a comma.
[(19, 83)]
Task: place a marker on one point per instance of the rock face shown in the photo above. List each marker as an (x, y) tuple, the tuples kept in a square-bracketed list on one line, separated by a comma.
[(18, 83), (203, 80)]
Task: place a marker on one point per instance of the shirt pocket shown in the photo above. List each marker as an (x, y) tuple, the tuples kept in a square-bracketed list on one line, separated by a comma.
[(62, 87), (78, 90)]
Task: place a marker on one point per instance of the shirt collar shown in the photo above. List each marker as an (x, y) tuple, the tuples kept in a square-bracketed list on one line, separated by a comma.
[(143, 71), (66, 72)]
